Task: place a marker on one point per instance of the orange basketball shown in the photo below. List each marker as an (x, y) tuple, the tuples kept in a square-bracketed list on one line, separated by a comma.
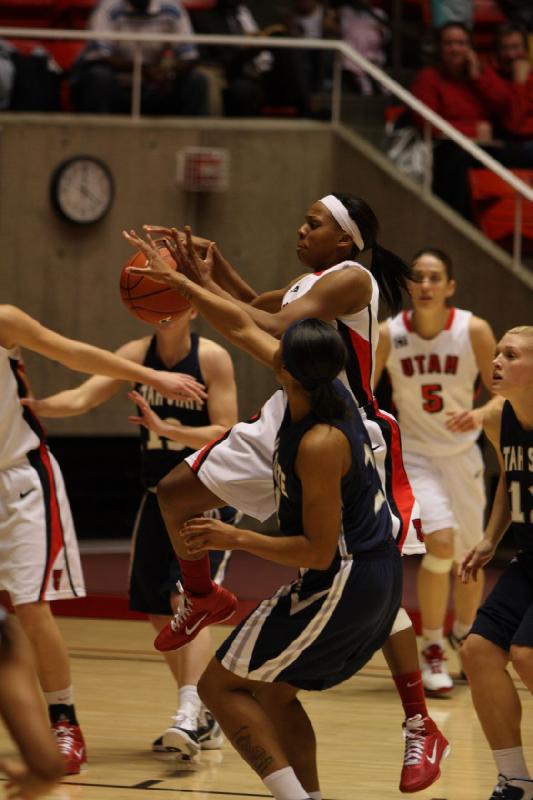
[(145, 298)]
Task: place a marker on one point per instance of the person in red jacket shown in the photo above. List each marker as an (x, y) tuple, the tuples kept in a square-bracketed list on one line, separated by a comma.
[(515, 70), (470, 96)]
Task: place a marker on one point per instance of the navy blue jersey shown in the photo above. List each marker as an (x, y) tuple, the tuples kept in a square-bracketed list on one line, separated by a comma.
[(158, 454), (366, 522), (516, 445)]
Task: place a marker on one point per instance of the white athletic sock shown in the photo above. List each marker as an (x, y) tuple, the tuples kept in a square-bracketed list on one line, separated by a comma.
[(64, 697), (189, 702), (315, 795), (284, 785), (459, 629), (511, 763), (433, 636)]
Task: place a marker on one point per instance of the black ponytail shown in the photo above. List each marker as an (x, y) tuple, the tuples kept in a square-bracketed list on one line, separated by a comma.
[(326, 404), (314, 354), (389, 270)]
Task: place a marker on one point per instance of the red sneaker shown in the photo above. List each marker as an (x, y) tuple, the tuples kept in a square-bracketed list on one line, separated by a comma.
[(425, 747), (195, 611), (71, 745)]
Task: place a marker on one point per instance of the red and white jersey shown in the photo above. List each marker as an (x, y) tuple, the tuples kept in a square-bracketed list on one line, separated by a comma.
[(20, 431), (359, 331), (430, 377)]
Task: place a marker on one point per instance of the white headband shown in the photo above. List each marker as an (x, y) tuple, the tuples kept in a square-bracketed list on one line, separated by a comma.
[(339, 212)]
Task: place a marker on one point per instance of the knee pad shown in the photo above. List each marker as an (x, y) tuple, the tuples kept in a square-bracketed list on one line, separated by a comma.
[(401, 623), (437, 565)]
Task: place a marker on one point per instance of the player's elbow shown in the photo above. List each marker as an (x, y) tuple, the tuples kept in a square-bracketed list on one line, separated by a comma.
[(319, 559)]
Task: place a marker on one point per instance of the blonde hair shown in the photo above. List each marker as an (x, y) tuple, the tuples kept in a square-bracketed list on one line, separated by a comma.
[(522, 330)]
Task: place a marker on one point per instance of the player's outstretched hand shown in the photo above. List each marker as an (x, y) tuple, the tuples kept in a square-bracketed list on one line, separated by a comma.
[(182, 249), (187, 260), (147, 417), (23, 784), (178, 385), (201, 534), (461, 421), (480, 555), (200, 243)]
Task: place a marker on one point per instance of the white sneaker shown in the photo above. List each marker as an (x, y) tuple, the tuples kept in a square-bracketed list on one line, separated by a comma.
[(209, 732), (435, 676), (180, 740)]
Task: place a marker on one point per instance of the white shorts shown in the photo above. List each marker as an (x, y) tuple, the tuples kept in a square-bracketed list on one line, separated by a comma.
[(237, 468), (39, 557), (451, 494)]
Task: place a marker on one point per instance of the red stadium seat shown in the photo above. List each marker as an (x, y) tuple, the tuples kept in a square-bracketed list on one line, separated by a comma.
[(493, 207)]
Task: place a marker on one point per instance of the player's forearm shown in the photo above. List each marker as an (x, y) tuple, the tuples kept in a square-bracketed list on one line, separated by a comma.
[(227, 315), (488, 407), (263, 319), (500, 515), (191, 437), (92, 360), (69, 403), (291, 551), (23, 702), (229, 279)]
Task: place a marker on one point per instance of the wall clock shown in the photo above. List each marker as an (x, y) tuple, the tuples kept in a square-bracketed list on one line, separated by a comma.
[(81, 189)]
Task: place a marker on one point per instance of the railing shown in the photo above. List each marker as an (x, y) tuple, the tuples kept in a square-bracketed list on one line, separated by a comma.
[(341, 49)]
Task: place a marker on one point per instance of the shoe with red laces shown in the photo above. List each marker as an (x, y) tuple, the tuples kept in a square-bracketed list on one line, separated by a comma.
[(195, 611), (435, 675), (425, 748), (71, 745)]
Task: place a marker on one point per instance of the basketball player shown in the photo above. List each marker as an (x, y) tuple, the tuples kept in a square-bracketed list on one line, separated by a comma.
[(434, 355), (336, 228), (39, 559), (334, 524), (21, 708), (170, 431), (503, 629)]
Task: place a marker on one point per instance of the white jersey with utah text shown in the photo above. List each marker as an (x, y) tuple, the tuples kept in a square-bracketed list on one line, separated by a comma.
[(430, 377)]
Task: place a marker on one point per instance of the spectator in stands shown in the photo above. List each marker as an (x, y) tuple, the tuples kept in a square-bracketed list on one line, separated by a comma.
[(311, 19), (468, 95), (252, 80), (516, 71), (364, 27), (102, 78)]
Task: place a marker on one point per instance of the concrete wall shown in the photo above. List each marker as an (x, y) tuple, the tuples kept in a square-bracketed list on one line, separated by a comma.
[(67, 276)]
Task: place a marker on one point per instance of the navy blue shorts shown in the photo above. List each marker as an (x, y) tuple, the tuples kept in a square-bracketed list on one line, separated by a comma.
[(318, 632), (506, 616), (154, 567)]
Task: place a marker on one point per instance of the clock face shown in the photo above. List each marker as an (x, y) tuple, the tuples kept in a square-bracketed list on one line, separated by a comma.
[(82, 189)]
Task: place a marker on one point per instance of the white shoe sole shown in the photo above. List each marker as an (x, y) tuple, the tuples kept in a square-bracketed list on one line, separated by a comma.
[(213, 743), (177, 741)]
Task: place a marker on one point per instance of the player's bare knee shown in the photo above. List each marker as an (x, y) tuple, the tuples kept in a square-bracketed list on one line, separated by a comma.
[(211, 684), (32, 616), (522, 660), (477, 654), (440, 545)]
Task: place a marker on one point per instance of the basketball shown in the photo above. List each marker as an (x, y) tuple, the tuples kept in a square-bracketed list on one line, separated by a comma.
[(145, 298)]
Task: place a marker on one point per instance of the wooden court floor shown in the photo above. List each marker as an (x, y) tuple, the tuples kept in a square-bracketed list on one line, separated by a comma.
[(125, 697)]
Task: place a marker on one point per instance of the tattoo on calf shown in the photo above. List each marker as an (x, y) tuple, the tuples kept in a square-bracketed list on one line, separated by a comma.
[(255, 755)]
